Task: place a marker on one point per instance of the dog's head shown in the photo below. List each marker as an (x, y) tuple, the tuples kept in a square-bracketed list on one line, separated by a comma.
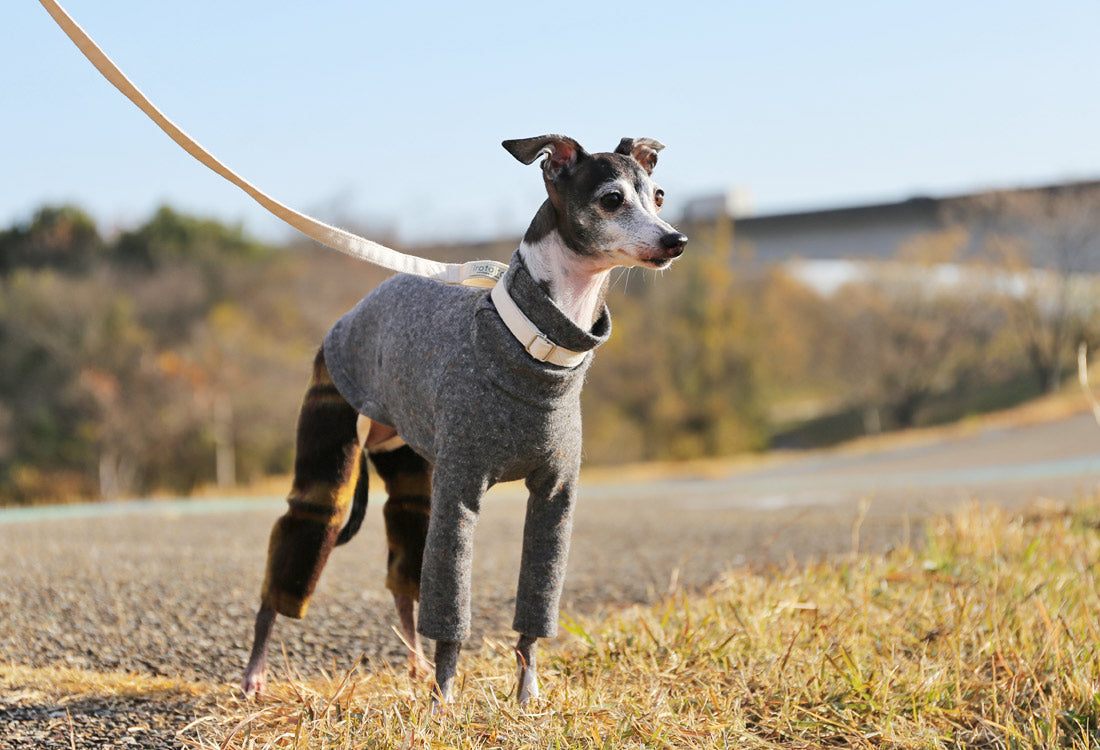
[(602, 205)]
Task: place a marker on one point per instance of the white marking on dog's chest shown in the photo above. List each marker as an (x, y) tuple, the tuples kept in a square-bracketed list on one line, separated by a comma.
[(575, 287)]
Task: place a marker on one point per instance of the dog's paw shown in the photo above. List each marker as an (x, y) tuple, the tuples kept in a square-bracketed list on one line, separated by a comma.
[(253, 683), (441, 705), (528, 687), (419, 668)]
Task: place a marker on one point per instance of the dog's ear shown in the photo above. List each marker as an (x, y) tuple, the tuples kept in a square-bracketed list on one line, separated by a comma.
[(561, 152), (644, 151)]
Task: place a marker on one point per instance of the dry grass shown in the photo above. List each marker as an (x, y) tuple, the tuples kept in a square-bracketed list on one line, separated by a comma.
[(20, 684), (989, 637)]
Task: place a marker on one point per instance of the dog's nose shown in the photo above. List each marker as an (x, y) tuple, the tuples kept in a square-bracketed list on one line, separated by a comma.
[(674, 243)]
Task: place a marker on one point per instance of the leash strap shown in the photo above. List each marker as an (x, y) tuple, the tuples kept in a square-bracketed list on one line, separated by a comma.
[(481, 273)]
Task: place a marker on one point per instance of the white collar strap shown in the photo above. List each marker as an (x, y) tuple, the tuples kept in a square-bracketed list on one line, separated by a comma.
[(527, 333)]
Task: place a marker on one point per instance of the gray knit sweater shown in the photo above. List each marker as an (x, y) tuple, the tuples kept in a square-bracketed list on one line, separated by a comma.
[(437, 363)]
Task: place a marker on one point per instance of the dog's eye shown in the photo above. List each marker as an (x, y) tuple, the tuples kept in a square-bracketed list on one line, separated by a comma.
[(659, 197), (611, 201)]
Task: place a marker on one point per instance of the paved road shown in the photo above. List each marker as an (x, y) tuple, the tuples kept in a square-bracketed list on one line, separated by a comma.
[(1009, 463), (170, 588)]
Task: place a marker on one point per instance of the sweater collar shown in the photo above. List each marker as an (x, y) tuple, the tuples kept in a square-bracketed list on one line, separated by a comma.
[(553, 332)]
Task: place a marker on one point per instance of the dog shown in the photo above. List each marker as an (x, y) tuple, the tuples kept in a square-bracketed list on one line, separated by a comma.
[(450, 389)]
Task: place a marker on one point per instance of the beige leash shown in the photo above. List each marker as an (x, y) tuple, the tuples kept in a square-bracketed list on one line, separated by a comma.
[(482, 273)]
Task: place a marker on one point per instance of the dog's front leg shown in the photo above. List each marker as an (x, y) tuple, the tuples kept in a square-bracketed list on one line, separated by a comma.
[(457, 489), (546, 534), (446, 666), (528, 674)]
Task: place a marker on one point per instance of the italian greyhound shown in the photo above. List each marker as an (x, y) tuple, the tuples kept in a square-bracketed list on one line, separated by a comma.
[(451, 389)]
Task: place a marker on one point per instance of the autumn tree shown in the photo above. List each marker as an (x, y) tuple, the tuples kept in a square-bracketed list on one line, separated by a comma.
[(675, 381), (63, 238), (796, 341), (136, 363), (916, 326)]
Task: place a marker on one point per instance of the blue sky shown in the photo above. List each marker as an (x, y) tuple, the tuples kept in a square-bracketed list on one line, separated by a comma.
[(390, 116)]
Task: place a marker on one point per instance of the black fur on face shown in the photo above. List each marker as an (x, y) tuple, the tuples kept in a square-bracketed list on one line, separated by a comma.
[(573, 208), (601, 204)]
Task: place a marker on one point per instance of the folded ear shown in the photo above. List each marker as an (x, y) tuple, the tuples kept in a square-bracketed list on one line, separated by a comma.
[(644, 151), (561, 152)]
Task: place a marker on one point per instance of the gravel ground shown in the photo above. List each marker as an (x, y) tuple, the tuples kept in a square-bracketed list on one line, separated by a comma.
[(100, 723), (174, 595)]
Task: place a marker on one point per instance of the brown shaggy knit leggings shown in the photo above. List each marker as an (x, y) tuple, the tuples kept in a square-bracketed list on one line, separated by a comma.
[(303, 538)]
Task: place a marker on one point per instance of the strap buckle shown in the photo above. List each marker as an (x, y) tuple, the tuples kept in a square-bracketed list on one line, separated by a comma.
[(541, 348)]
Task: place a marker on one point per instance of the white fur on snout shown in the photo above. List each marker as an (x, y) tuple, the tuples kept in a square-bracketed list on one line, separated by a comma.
[(633, 232)]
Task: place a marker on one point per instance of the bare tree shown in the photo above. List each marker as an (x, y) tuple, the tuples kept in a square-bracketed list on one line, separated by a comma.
[(1046, 244)]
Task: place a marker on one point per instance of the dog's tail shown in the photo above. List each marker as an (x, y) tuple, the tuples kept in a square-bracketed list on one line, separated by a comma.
[(358, 503)]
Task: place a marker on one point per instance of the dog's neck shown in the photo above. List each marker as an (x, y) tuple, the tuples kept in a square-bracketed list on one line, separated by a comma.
[(576, 284)]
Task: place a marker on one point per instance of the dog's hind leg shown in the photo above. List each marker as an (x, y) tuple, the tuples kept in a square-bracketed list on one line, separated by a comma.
[(255, 674), (408, 479), (303, 537)]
